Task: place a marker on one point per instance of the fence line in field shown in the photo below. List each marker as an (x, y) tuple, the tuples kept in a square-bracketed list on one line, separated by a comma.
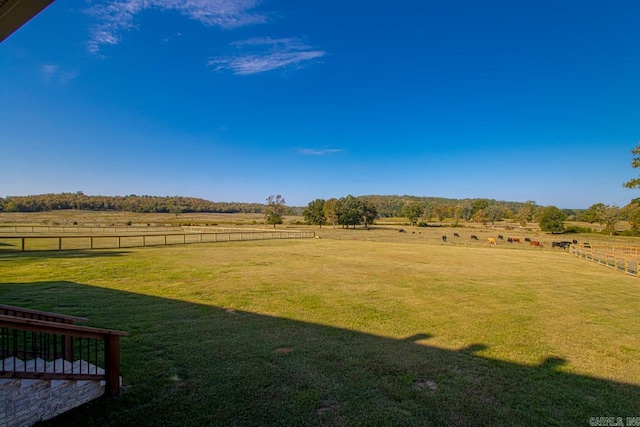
[(82, 229), (620, 258), (60, 243)]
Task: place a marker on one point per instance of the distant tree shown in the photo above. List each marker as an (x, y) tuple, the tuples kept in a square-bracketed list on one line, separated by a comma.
[(480, 216), (466, 210), (480, 204), (440, 212), (494, 213), (595, 213), (428, 211), (274, 211), (331, 211), (314, 213), (632, 212), (369, 213), (552, 219), (351, 212), (456, 211), (526, 212), (611, 216), (412, 211), (635, 163)]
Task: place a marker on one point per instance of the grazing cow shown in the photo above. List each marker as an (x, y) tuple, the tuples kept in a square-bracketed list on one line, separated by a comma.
[(456, 235), (526, 239), (401, 231), (491, 241), (535, 243), (501, 237), (474, 237), (510, 239), (516, 239), (575, 242), (444, 238)]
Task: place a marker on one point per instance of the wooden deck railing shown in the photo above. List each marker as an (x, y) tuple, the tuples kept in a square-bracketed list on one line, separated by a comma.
[(31, 348)]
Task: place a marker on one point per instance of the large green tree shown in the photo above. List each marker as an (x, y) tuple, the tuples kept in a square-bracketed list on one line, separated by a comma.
[(595, 213), (314, 213), (412, 211), (552, 219), (611, 216), (274, 210), (369, 213), (632, 212), (350, 211), (331, 211)]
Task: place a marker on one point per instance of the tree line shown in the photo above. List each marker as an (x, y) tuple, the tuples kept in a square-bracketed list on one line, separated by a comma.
[(130, 203)]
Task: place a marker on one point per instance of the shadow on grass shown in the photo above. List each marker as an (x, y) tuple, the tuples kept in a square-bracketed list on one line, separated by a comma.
[(192, 364), (94, 253)]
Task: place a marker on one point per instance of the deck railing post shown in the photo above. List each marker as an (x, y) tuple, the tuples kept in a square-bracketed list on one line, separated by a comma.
[(112, 364)]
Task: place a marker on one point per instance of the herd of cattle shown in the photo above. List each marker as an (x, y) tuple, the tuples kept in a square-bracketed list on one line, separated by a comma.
[(564, 244)]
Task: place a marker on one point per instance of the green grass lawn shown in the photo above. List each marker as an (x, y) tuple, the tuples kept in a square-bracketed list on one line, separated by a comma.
[(348, 332)]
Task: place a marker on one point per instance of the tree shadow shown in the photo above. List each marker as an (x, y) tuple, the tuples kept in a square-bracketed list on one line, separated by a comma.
[(194, 364)]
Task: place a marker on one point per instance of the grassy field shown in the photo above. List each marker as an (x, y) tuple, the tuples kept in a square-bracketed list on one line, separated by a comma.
[(356, 328)]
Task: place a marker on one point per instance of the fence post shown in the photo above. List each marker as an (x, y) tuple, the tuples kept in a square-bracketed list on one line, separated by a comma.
[(112, 364), (59, 243)]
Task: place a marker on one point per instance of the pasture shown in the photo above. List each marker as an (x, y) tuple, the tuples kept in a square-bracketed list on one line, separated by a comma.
[(366, 327)]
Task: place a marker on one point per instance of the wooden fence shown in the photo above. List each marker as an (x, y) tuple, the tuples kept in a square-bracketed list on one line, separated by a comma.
[(127, 240), (82, 229), (621, 258)]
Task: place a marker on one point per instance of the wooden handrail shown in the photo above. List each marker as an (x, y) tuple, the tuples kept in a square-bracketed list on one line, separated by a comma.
[(10, 310), (70, 332), (24, 324)]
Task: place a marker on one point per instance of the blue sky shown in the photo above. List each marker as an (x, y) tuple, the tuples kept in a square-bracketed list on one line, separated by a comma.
[(236, 100)]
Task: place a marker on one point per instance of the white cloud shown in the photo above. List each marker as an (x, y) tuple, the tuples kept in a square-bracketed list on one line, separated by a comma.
[(52, 73), (266, 54), (117, 16), (320, 152)]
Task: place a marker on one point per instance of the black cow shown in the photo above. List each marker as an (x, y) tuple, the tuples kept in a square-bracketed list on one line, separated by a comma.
[(526, 239), (401, 231), (575, 242), (510, 239), (474, 237), (456, 235), (444, 238), (563, 244), (501, 237)]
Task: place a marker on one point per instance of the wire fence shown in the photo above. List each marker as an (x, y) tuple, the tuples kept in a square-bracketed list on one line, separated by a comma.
[(621, 258)]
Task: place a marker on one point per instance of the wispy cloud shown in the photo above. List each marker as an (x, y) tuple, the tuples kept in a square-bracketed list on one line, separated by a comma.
[(320, 152), (53, 73), (115, 17), (266, 54)]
